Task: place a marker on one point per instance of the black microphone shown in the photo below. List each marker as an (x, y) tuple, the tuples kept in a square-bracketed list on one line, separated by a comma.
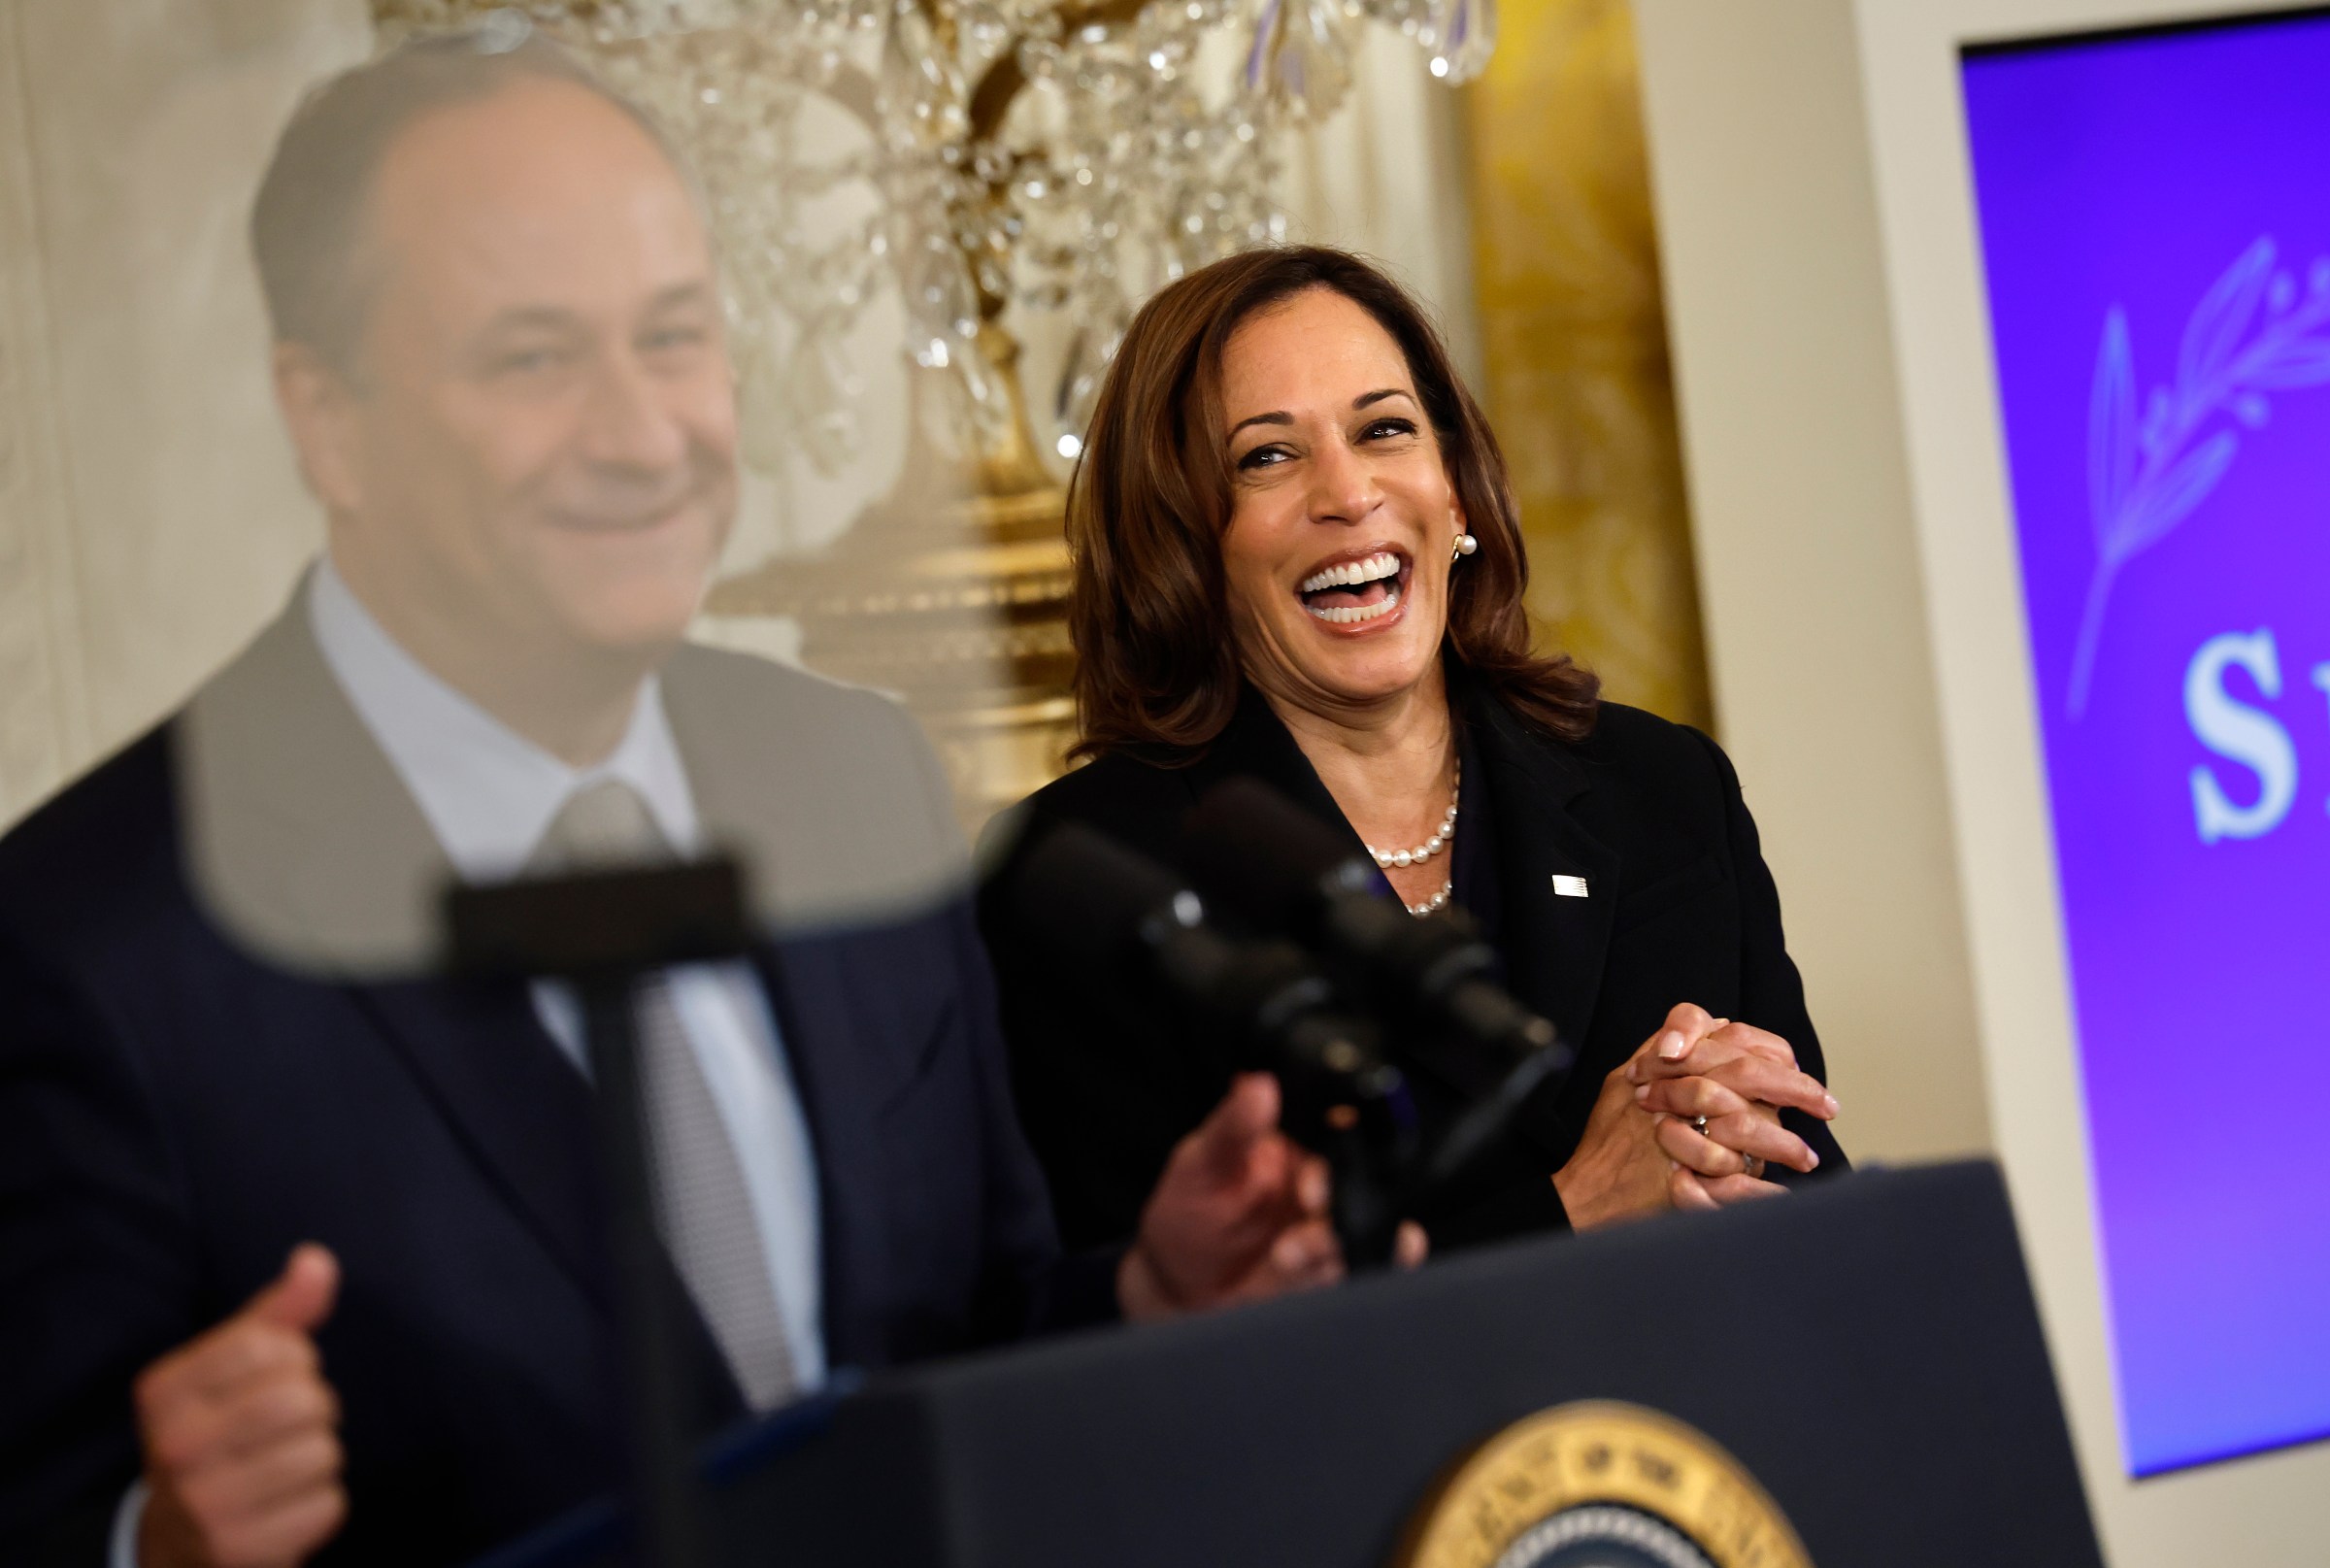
[(1122, 922), (1259, 854)]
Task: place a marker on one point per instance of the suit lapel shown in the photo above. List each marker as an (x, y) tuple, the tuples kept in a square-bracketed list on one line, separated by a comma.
[(1554, 943), (810, 994), (1255, 745), (529, 1117), (522, 1111)]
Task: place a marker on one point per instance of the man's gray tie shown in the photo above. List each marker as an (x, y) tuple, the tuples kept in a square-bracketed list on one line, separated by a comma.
[(701, 1201)]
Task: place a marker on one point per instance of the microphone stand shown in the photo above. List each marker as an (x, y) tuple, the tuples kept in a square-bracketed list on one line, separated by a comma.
[(1121, 920), (664, 1483), (1431, 979), (603, 931)]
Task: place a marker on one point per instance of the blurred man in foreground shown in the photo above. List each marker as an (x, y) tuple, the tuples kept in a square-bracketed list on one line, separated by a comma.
[(303, 1242)]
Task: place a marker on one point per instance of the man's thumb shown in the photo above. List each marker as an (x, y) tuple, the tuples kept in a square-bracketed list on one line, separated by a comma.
[(1247, 1113), (301, 1297)]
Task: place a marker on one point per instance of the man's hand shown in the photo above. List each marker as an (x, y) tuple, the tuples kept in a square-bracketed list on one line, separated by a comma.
[(1239, 1214), (241, 1434)]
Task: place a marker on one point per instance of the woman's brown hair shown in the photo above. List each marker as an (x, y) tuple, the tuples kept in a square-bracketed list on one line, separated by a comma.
[(1156, 661)]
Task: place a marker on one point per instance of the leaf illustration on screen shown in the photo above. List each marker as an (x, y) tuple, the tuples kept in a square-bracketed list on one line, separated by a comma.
[(2251, 334), (2110, 430)]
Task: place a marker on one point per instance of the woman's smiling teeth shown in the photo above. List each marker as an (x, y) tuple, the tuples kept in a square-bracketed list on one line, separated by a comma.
[(1354, 591), (1351, 574)]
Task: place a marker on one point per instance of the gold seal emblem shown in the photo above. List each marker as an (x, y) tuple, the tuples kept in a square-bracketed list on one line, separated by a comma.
[(1599, 1482)]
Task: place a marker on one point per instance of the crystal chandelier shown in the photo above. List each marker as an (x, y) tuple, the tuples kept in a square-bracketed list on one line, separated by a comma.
[(1062, 157), (994, 162)]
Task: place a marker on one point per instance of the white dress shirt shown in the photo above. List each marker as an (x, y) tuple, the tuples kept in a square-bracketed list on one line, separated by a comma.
[(489, 794)]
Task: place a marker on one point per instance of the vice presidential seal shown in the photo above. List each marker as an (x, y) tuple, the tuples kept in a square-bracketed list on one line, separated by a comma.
[(1600, 1486)]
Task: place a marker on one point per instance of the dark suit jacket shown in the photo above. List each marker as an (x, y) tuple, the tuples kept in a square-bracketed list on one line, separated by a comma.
[(1680, 908), (176, 1109)]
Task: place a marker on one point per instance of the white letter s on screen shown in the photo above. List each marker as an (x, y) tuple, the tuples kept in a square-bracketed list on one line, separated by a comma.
[(2248, 736)]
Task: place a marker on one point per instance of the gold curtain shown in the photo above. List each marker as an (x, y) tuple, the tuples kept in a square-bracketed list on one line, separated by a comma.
[(1574, 349)]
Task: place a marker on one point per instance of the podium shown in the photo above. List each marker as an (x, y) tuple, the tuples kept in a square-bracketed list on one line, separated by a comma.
[(1861, 1362)]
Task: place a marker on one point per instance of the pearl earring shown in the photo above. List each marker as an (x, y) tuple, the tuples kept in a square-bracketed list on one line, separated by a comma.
[(1466, 543)]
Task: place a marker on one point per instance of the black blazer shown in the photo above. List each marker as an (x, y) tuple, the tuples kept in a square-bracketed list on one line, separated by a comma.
[(1679, 907), (175, 1114)]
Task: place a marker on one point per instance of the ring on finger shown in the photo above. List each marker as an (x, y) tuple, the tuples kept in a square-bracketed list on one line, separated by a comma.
[(1752, 1167), (1699, 1126)]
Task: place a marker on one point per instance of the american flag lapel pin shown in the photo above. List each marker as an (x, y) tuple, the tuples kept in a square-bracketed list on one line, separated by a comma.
[(1568, 886)]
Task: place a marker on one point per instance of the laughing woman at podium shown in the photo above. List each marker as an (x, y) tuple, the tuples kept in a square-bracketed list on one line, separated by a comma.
[(1297, 558)]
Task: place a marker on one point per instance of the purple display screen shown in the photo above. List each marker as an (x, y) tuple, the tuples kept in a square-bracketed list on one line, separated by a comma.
[(2155, 226)]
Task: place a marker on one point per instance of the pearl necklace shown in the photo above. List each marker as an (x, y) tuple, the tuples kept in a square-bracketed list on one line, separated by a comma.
[(1439, 840), (1438, 900)]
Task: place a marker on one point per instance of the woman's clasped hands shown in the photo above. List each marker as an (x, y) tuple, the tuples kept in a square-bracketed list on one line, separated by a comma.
[(1691, 1121)]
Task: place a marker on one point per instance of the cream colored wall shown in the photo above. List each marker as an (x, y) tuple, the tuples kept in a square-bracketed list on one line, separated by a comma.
[(1864, 627), (150, 515), (1809, 582)]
